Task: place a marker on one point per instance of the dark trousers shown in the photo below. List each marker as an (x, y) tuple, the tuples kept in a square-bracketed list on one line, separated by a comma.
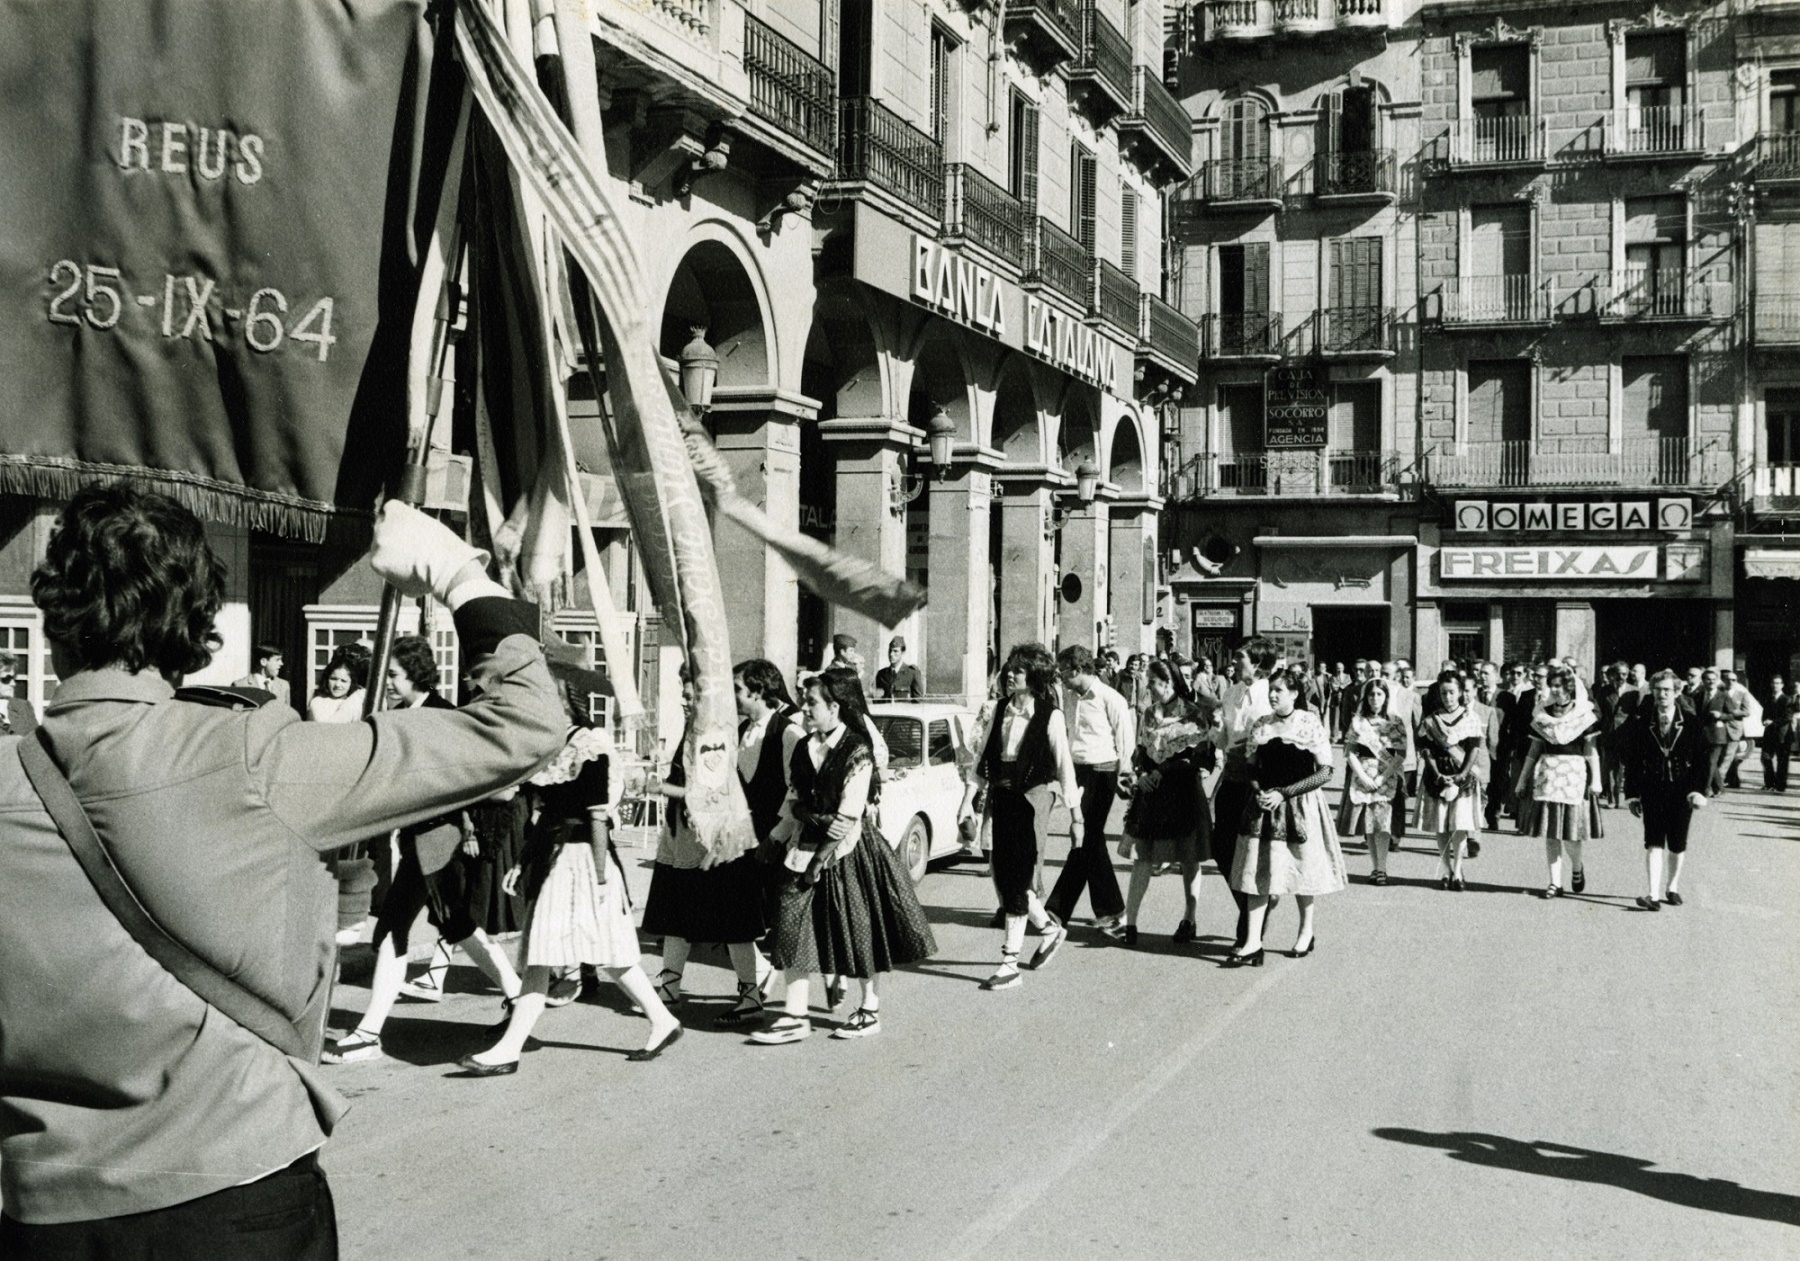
[(1089, 866), (1775, 767), (1718, 761), (286, 1216), (1230, 803)]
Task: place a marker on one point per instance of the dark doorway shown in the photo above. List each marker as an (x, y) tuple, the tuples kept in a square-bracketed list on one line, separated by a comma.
[(1343, 633), (284, 579), (1667, 635)]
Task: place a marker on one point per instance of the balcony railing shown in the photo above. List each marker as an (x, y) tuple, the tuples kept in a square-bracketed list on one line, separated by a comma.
[(1648, 130), (1159, 119), (1497, 300), (1169, 335), (1299, 472), (1641, 462), (1777, 156), (1370, 173), (1227, 180), (1116, 297), (1059, 261), (1102, 67), (1505, 140), (1252, 335), (1240, 19), (979, 210), (878, 146), (1362, 12), (1305, 15), (794, 91), (1046, 31), (1645, 293), (1356, 330), (1777, 319)]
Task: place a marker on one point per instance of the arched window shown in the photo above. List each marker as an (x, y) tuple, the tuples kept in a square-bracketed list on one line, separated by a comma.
[(1246, 169), (1350, 160)]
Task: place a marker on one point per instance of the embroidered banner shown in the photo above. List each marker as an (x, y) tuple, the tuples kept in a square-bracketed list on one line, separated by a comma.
[(205, 270)]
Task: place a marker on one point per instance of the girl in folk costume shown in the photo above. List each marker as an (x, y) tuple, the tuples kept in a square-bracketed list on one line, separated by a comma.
[(580, 911), (724, 903), (1026, 757), (1374, 760), (1288, 844), (847, 905), (1452, 772), (1561, 775), (1168, 820)]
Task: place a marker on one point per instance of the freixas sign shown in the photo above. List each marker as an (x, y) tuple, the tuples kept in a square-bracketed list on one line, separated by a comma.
[(967, 292), (1618, 564)]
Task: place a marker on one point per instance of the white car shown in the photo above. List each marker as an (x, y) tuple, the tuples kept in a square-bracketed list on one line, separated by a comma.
[(923, 789)]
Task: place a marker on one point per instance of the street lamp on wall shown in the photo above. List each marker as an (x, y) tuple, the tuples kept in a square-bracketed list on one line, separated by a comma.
[(904, 488), (1087, 487), (699, 370)]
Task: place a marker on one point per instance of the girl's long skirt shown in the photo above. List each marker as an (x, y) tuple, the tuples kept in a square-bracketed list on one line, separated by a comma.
[(1463, 814), (859, 918), (1021, 827), (1267, 864), (501, 827), (573, 920), (721, 904)]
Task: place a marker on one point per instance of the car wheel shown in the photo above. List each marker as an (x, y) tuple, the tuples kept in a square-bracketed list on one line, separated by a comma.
[(915, 847)]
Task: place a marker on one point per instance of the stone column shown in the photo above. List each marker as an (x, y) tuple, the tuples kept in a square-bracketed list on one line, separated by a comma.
[(1086, 554), (955, 659), (1577, 635), (871, 456), (1027, 576), (758, 434), (1130, 523), (1427, 654)]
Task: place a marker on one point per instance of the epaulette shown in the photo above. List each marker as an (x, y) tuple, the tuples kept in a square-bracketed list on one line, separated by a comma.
[(225, 697)]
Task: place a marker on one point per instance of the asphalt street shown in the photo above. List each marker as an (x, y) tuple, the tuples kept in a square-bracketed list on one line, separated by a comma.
[(1482, 1074)]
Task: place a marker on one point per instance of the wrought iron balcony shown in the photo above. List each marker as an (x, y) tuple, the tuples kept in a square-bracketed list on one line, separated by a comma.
[(878, 147), (979, 210), (1654, 131), (1486, 301), (1777, 320), (1243, 182), (1157, 130), (1355, 332), (1640, 462), (1651, 293), (1168, 337), (1777, 157), (1116, 297), (1368, 175), (789, 88), (1046, 32), (1058, 261), (1303, 472), (1504, 140), (1100, 74), (1250, 335)]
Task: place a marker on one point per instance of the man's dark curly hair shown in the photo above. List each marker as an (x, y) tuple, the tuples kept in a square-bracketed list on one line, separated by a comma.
[(129, 580), (413, 652)]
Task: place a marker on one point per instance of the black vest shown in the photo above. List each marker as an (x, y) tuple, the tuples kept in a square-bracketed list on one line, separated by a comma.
[(766, 788), (1035, 766)]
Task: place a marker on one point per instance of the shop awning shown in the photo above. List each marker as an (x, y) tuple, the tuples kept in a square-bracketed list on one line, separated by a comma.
[(1772, 562)]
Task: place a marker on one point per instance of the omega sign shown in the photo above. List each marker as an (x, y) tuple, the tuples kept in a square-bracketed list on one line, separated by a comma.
[(1480, 515), (971, 294)]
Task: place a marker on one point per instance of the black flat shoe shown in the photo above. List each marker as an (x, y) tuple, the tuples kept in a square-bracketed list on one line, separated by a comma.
[(651, 1052), (1235, 960), (1379, 878), (1131, 934), (1673, 898), (1457, 885), (1578, 882), (473, 1067), (1648, 904), (1444, 883), (1301, 954), (1184, 932)]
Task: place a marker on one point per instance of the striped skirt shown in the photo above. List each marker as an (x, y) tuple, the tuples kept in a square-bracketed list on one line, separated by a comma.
[(575, 921)]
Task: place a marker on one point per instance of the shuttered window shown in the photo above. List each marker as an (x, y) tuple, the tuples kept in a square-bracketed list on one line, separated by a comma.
[(1022, 164), (856, 38), (1356, 272), (943, 62), (1355, 417), (1499, 401), (1083, 191), (1244, 278), (1246, 135), (1242, 408), (828, 33), (1128, 234), (1656, 396), (1500, 72)]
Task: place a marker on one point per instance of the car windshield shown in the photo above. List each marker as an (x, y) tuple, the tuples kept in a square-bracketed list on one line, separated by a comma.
[(905, 739)]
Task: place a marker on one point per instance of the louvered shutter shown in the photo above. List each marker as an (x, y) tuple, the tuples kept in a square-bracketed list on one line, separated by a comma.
[(1128, 233), (828, 33), (1256, 278), (1356, 272), (1028, 150)]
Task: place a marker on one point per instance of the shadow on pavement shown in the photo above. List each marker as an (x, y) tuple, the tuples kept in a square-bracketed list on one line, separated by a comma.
[(1629, 1173)]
